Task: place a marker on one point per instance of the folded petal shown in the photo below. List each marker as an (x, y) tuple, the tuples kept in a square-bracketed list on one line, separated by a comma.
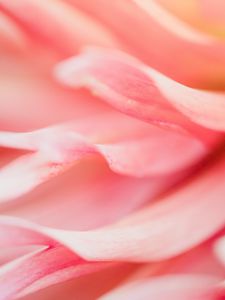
[(138, 150), (98, 282), (88, 196), (154, 233), (42, 268), (137, 90), (169, 45)]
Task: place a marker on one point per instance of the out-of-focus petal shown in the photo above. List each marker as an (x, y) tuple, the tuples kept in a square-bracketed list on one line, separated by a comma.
[(220, 249), (193, 61), (214, 11), (62, 27), (12, 38), (29, 94), (182, 287), (204, 15), (98, 283), (135, 89)]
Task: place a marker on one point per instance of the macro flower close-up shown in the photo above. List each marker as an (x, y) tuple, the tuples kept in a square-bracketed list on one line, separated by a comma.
[(112, 149)]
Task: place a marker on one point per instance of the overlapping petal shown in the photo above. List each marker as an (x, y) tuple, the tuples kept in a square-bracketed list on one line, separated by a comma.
[(63, 28), (133, 148), (204, 15), (135, 89), (106, 186), (173, 48), (182, 287), (148, 235)]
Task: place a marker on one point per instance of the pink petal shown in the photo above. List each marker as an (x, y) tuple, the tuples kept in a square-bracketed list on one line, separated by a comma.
[(137, 150), (214, 11), (38, 269), (97, 282), (203, 15), (164, 47), (198, 268), (30, 90), (220, 249), (137, 90), (88, 196), (182, 287), (25, 173), (63, 28), (154, 233), (158, 232), (12, 39), (56, 265)]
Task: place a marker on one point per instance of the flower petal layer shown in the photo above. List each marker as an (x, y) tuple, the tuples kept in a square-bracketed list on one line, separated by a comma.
[(154, 233), (63, 28), (169, 45), (137, 149), (182, 287), (137, 90)]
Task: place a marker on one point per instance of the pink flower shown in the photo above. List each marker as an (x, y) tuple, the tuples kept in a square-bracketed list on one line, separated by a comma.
[(112, 149)]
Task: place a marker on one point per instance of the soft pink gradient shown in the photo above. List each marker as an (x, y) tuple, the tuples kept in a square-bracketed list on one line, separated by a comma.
[(112, 160)]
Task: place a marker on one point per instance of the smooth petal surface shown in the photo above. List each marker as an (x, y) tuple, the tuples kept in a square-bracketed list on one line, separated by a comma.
[(88, 196), (133, 148), (55, 265), (137, 90), (98, 283), (198, 273), (63, 28), (154, 233), (170, 46), (204, 15), (180, 287), (28, 88), (220, 249), (121, 198), (12, 38)]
